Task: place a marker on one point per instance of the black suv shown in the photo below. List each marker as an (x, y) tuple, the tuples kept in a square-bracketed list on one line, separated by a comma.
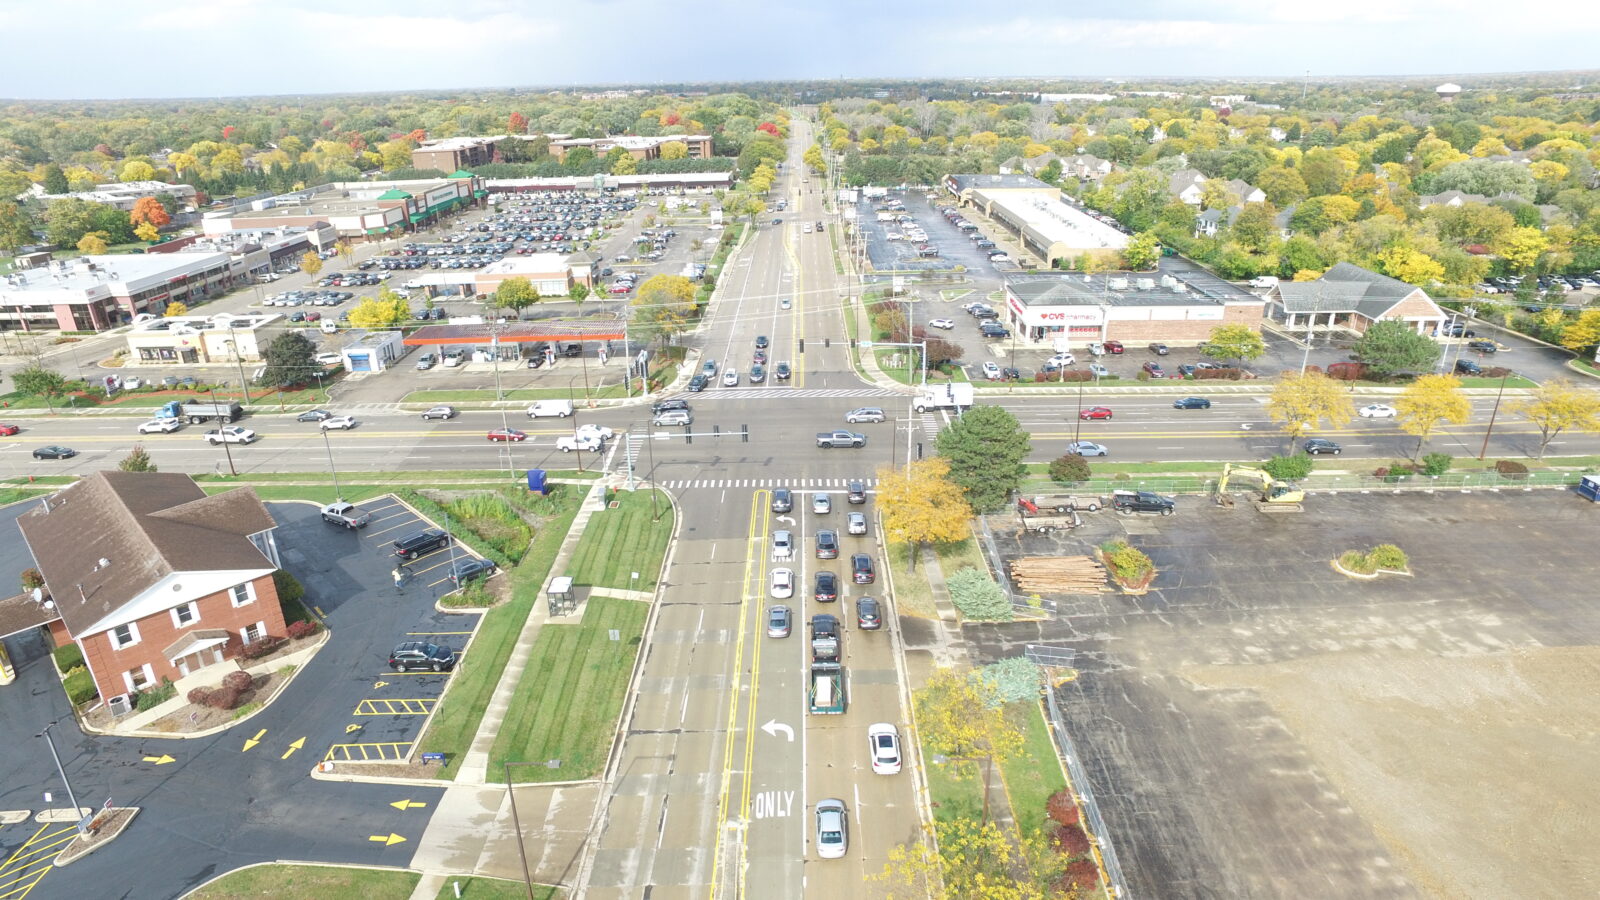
[(1319, 446), (469, 569), (420, 542), (782, 500), (827, 587), (1468, 367), (421, 655), (861, 571)]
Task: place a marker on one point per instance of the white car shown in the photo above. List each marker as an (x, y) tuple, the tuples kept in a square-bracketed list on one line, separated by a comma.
[(598, 432), (343, 423), (1099, 371), (129, 384), (1063, 359), (1087, 448), (833, 835), (884, 742), (785, 303), (946, 324), (782, 583), (730, 378), (330, 359), (821, 505), (165, 425), (1378, 411), (570, 442), (991, 371), (782, 544)]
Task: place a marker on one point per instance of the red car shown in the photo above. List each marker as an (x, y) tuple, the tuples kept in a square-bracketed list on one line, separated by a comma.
[(507, 434), (1155, 370), (8, 430), (1095, 412), (1113, 346)]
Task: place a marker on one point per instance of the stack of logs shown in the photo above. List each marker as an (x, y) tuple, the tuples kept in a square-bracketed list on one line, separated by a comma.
[(1058, 575)]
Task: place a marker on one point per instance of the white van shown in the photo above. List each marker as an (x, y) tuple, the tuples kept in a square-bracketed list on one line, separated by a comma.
[(558, 408), (1264, 281)]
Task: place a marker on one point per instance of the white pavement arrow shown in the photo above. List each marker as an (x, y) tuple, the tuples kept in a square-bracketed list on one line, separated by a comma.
[(787, 520), (773, 726)]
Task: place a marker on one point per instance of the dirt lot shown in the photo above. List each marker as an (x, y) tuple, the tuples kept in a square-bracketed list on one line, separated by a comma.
[(1259, 726)]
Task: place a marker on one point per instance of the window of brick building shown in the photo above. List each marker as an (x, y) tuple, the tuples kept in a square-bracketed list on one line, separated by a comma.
[(124, 635)]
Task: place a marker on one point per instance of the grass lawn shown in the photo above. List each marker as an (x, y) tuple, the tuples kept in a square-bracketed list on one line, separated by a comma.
[(571, 694), (1034, 774), (599, 560), (473, 888), (959, 554), (385, 477), (12, 495), (322, 882), (1515, 381), (456, 721), (912, 595), (575, 394), (355, 493)]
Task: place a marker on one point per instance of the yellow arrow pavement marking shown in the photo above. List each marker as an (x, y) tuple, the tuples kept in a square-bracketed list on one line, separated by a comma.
[(161, 760), (386, 839), (293, 746), (251, 742), (407, 804)]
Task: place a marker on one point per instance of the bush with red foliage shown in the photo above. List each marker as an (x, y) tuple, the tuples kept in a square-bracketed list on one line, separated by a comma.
[(1218, 374), (260, 648), (198, 696), (297, 630), (237, 681), (1069, 840), (223, 698), (1347, 371), (1061, 807), (1081, 874)]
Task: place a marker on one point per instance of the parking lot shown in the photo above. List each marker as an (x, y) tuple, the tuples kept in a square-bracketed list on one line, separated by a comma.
[(954, 246), (1258, 725)]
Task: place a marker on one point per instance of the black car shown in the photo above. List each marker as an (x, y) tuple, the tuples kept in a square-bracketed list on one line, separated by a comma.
[(420, 542), (827, 589), (827, 545), (861, 571), (761, 342), (868, 617), (782, 500), (673, 403), (1468, 367), (1319, 446), (985, 313), (1483, 346), (421, 655), (1192, 403), (698, 383), (469, 569), (54, 452), (992, 330), (313, 415), (782, 371)]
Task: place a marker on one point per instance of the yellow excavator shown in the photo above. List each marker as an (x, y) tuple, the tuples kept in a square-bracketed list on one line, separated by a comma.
[(1271, 495)]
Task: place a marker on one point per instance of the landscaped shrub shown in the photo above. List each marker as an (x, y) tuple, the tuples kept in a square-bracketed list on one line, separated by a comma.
[(431, 510), (1069, 468), (1496, 372), (260, 648), (1356, 561), (223, 698), (1219, 374), (977, 596), (1081, 875), (1388, 556), (297, 630), (79, 686), (198, 696), (1347, 371), (1013, 678), (289, 588), (68, 657), (1288, 468), (1510, 468), (1436, 464), (150, 698), (237, 681), (1069, 840), (1061, 808), (494, 520), (1127, 563), (1142, 376)]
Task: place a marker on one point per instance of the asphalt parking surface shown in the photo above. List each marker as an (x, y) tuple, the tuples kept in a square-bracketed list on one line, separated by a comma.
[(955, 248), (1259, 725)]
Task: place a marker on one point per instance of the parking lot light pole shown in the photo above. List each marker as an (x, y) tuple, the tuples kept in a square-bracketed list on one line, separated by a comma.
[(71, 797)]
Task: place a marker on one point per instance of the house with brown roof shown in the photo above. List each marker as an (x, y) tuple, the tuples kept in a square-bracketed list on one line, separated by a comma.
[(1352, 298), (151, 577)]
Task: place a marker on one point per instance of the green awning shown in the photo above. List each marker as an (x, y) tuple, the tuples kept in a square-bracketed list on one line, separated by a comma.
[(460, 173), (480, 194), (383, 230), (418, 217), (394, 194)]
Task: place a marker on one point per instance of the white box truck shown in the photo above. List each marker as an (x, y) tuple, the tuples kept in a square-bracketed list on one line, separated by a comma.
[(955, 395)]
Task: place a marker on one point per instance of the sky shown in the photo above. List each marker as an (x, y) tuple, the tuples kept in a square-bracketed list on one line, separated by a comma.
[(216, 48)]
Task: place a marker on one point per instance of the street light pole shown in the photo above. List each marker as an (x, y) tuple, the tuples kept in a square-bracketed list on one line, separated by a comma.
[(73, 798), (1490, 430), (1077, 431)]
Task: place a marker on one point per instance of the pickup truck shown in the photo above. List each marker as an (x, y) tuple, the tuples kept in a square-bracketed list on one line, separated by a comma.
[(1130, 502), (347, 514), (827, 690), (824, 639), (570, 442), (232, 434), (840, 439)]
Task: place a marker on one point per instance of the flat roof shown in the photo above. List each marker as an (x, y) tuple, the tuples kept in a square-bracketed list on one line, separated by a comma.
[(516, 333), (1123, 289), (1051, 221), (84, 272), (532, 264)]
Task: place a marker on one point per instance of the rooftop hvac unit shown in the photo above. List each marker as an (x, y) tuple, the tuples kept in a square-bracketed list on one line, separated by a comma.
[(1168, 281), (1147, 284), (1118, 284), (1180, 288)]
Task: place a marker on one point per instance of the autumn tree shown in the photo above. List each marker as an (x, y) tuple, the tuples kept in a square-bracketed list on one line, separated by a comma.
[(674, 150), (387, 310), (137, 170), (515, 294), (664, 305), (1427, 402), (176, 308), (921, 505), (93, 243), (975, 860), (137, 460), (814, 159), (346, 250), (579, 292), (985, 448), (1392, 346), (149, 210), (16, 227), (1142, 251), (517, 123), (311, 263), (1240, 342), (1410, 265), (1557, 406), (1300, 402), (147, 232), (1523, 247), (1582, 333), (625, 165)]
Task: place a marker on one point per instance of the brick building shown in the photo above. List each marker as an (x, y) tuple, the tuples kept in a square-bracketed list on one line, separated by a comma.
[(452, 154), (152, 578), (1173, 308)]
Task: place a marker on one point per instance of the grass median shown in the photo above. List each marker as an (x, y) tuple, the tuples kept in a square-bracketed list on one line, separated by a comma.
[(322, 882), (473, 888), (576, 394), (617, 543), (1035, 773)]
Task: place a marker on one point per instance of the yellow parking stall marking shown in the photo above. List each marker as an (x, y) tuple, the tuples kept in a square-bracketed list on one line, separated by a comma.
[(420, 706), (34, 860), (392, 751)]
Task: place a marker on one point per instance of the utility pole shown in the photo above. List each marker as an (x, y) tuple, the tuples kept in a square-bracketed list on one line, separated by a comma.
[(223, 437), (1482, 451), (76, 809), (332, 470)]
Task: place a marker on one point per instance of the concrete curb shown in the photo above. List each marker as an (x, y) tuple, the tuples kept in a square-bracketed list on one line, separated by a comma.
[(67, 857)]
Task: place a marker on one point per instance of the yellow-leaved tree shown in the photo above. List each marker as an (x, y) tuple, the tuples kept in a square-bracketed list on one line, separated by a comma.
[(176, 308), (311, 263), (93, 243), (921, 505), (1300, 402), (387, 310), (1558, 406), (1429, 401), (960, 717)]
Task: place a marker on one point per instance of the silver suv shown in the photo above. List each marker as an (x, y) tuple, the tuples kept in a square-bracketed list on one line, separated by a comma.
[(673, 417), (865, 414)]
